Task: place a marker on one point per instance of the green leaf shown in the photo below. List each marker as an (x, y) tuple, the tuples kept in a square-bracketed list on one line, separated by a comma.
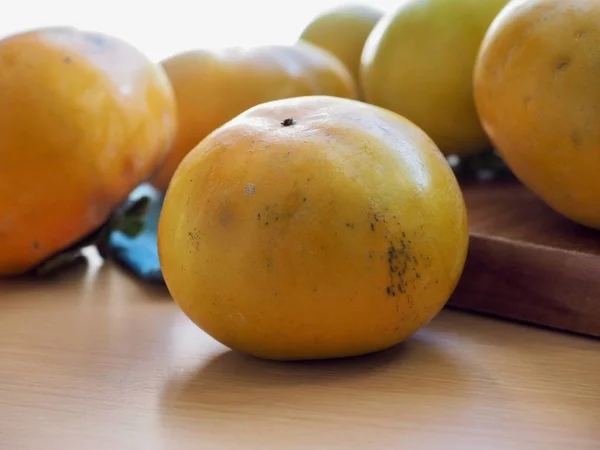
[(137, 208), (131, 227)]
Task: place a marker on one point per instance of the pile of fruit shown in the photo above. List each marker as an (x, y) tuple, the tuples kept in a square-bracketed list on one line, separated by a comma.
[(310, 208)]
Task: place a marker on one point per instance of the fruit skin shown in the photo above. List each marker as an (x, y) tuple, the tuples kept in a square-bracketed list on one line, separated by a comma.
[(418, 62), (343, 31), (213, 86), (537, 91), (84, 118), (338, 235)]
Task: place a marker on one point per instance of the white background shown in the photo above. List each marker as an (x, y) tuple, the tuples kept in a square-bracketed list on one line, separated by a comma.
[(161, 28)]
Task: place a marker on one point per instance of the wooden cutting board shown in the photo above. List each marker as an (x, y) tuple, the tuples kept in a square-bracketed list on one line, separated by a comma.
[(528, 263)]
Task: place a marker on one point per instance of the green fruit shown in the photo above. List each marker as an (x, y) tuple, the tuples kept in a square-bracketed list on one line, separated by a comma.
[(418, 62), (343, 31)]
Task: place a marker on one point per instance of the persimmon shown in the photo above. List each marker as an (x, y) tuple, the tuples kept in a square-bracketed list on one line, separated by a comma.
[(537, 93), (213, 86), (84, 118), (418, 62), (313, 227), (343, 31)]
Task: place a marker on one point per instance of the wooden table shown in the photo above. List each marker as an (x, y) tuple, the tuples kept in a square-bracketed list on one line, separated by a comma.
[(96, 360)]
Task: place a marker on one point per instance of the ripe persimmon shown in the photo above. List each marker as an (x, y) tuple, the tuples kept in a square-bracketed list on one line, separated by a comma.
[(537, 93), (343, 31), (213, 86), (84, 118), (313, 227)]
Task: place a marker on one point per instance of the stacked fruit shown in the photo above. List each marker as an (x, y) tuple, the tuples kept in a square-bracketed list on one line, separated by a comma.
[(310, 210)]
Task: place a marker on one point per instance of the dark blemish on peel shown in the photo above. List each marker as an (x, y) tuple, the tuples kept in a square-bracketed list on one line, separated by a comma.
[(288, 122), (195, 238), (372, 226), (67, 60), (350, 225), (304, 199), (563, 64), (36, 245), (403, 268)]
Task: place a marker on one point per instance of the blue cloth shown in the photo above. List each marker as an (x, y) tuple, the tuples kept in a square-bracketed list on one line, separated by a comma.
[(140, 254)]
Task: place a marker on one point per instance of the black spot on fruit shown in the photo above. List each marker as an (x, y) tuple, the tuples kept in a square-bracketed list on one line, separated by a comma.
[(195, 237), (404, 268), (563, 64)]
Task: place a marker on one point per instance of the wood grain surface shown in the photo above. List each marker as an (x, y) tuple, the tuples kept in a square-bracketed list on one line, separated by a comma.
[(527, 262), (95, 360)]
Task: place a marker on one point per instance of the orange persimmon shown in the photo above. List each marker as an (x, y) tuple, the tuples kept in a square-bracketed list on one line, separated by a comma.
[(213, 86), (84, 118), (313, 227)]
